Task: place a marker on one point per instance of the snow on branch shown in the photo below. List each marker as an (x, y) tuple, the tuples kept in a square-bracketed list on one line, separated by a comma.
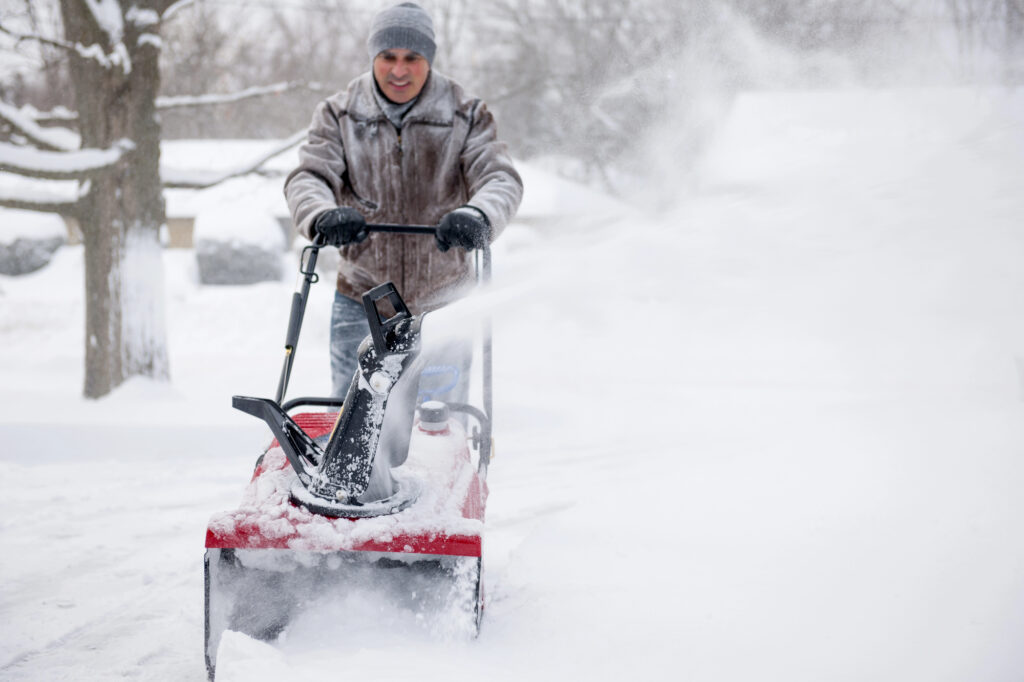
[(47, 197), (182, 101), (72, 165), (142, 18), (51, 139), (198, 179), (117, 57), (43, 40), (107, 15), (59, 114)]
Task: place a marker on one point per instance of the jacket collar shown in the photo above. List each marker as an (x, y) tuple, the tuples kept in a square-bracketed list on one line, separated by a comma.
[(434, 105)]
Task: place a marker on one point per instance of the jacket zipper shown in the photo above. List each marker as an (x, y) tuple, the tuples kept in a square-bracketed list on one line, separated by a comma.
[(403, 242)]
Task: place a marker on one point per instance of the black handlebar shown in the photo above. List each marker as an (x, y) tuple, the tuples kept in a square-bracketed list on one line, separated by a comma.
[(307, 268), (319, 242), (401, 229)]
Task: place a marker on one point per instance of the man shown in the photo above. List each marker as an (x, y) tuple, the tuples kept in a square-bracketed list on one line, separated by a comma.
[(403, 145)]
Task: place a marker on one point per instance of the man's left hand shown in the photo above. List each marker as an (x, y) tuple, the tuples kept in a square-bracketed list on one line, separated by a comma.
[(466, 227)]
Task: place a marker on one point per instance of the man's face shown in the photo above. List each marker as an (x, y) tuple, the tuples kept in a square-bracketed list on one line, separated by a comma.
[(400, 73)]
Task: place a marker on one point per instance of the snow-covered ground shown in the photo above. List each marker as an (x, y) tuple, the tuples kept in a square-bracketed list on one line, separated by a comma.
[(774, 434)]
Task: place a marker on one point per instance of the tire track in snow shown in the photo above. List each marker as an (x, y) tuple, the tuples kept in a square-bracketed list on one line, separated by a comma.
[(126, 640)]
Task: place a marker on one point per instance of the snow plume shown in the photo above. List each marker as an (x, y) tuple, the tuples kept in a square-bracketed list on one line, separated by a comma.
[(738, 48), (446, 329), (689, 92), (140, 285)]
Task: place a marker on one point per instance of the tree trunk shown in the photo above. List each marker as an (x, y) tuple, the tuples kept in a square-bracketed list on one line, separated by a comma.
[(122, 210)]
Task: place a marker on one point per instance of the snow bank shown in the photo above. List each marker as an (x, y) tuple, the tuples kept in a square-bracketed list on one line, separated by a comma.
[(28, 240), (15, 224), (238, 244), (221, 156), (239, 224)]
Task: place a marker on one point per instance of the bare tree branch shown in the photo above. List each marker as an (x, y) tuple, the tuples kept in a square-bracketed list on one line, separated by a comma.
[(95, 51), (42, 40), (74, 165), (173, 8), (181, 101), (184, 179), (197, 101)]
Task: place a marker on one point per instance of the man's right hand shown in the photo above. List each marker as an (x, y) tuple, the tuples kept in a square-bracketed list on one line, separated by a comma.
[(341, 226)]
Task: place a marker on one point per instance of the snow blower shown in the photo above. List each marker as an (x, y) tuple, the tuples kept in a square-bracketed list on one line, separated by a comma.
[(369, 495)]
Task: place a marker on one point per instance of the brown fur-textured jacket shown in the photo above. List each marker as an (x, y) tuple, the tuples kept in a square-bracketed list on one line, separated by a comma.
[(447, 155)]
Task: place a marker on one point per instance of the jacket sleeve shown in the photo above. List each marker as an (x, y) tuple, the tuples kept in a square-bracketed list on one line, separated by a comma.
[(313, 186), (495, 187)]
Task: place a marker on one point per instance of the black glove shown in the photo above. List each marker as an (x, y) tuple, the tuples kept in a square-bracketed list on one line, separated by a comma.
[(466, 227), (341, 226)]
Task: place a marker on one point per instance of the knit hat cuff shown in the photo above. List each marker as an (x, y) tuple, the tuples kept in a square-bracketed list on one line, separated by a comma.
[(401, 37)]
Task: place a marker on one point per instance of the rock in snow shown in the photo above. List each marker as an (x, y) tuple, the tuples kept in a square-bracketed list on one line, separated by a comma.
[(28, 240), (238, 246)]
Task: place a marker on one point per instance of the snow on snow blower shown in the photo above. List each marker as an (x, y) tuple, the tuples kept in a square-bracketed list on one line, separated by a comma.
[(367, 495)]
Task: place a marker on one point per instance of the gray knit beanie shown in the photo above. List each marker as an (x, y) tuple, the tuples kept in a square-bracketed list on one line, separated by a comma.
[(406, 26)]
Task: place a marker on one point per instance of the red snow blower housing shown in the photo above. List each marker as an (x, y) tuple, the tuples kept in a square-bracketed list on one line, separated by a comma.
[(369, 490)]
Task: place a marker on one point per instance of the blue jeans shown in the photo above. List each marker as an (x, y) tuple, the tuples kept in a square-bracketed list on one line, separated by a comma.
[(445, 377), (348, 329)]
